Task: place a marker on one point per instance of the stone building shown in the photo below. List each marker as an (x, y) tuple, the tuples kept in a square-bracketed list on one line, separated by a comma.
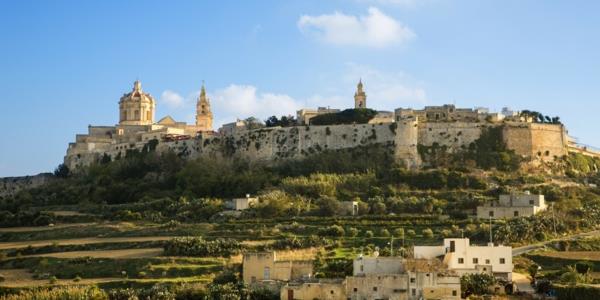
[(382, 278), (136, 128), (462, 257), (264, 267), (512, 206), (304, 115), (242, 203)]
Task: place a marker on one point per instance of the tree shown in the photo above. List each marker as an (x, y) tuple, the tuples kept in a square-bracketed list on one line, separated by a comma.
[(329, 206), (285, 121), (427, 233), (478, 284), (62, 171), (253, 123)]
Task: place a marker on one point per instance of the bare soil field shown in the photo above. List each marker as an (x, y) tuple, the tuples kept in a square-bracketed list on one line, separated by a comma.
[(125, 253), (82, 241)]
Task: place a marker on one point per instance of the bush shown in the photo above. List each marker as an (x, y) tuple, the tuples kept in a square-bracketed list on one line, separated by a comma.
[(384, 232), (348, 116), (399, 233), (2, 278), (427, 233), (352, 232), (197, 246), (411, 233), (369, 234), (53, 280), (333, 230), (477, 284)]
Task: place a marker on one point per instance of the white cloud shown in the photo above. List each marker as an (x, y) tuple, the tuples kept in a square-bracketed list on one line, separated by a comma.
[(171, 99), (404, 3), (373, 30), (387, 90), (242, 101)]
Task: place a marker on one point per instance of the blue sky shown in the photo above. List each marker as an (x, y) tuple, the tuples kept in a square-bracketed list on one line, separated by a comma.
[(64, 64)]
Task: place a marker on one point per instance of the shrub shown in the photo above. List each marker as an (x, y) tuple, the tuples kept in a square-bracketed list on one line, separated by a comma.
[(53, 279), (348, 116), (352, 232), (477, 284), (411, 233), (197, 246), (77, 279), (399, 233), (427, 233), (369, 234), (2, 278), (384, 232), (333, 230)]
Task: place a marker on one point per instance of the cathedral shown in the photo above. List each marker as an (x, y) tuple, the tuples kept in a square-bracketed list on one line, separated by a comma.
[(137, 109), (137, 127)]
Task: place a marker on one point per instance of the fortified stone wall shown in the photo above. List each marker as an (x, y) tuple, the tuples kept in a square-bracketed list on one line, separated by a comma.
[(544, 141), (11, 185)]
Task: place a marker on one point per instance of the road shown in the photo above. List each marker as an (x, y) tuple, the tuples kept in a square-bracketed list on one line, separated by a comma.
[(524, 249)]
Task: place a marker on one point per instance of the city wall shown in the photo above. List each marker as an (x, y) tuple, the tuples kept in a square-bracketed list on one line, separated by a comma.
[(543, 141)]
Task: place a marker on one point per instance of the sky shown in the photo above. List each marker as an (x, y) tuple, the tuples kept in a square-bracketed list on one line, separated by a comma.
[(65, 64)]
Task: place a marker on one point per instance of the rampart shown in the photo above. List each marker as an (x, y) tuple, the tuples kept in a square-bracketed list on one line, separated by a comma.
[(543, 141)]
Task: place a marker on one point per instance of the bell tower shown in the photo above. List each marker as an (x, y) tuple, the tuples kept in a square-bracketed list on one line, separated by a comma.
[(204, 117), (360, 98)]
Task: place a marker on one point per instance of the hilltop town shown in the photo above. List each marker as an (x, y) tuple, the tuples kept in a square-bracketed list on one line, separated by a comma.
[(404, 131)]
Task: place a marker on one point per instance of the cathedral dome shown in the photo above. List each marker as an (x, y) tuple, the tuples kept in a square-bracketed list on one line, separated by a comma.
[(137, 94), (136, 107)]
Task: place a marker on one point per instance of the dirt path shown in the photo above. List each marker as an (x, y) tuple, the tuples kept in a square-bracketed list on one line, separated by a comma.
[(125, 253), (522, 282), (82, 241)]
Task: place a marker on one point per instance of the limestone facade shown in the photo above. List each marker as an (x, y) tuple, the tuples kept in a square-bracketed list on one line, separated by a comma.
[(382, 278), (513, 206), (258, 267), (360, 97), (462, 257), (136, 107)]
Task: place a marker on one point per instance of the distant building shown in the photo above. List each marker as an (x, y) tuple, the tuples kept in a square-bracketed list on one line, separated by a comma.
[(242, 203), (382, 278), (382, 117), (264, 267), (304, 115), (513, 206), (350, 208), (447, 113), (464, 258), (233, 127)]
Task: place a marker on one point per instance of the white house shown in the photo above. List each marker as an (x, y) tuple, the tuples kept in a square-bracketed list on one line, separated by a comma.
[(460, 256), (242, 203), (512, 206)]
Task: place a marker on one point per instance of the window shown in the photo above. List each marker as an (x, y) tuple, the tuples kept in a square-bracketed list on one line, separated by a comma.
[(412, 280), (502, 261), (267, 273), (414, 292), (374, 289), (253, 279), (331, 292), (454, 293), (355, 290), (461, 260), (487, 261), (491, 213), (516, 214), (452, 246), (475, 260), (530, 202), (362, 268)]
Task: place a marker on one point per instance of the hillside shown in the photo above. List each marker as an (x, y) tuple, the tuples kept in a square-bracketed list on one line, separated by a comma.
[(119, 214)]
